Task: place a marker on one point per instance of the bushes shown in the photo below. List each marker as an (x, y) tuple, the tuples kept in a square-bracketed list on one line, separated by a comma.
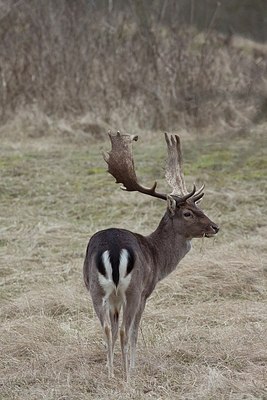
[(124, 68)]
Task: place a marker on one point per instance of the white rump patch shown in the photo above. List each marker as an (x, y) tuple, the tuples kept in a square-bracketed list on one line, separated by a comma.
[(115, 295), (106, 282), (124, 280)]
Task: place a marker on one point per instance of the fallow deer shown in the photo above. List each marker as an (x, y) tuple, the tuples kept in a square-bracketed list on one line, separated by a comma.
[(122, 268)]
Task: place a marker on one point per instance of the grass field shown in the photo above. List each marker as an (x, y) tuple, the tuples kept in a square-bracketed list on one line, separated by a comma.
[(203, 334)]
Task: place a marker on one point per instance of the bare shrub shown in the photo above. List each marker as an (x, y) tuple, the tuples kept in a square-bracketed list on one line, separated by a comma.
[(124, 67)]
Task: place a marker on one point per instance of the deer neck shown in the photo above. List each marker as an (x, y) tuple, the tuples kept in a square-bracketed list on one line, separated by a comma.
[(168, 246)]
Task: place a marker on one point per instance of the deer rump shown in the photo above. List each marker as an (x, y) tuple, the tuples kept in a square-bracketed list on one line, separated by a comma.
[(114, 262)]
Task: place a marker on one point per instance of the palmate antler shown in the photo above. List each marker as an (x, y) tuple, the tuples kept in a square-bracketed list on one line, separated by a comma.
[(121, 166), (174, 172)]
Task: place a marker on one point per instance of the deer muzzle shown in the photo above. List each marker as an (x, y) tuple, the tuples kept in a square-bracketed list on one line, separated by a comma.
[(214, 228)]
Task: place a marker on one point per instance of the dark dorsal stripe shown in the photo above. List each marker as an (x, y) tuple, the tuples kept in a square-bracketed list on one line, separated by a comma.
[(114, 258)]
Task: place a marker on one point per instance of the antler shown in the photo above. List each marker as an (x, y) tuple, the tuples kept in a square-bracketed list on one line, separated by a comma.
[(174, 173), (121, 165)]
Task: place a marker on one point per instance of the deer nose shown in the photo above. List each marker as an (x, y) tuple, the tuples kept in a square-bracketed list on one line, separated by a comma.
[(215, 228)]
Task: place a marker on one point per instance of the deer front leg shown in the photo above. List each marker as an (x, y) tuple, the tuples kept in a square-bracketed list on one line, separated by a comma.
[(124, 339), (134, 333), (132, 312)]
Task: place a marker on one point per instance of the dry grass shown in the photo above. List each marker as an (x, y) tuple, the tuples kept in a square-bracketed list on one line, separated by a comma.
[(203, 334)]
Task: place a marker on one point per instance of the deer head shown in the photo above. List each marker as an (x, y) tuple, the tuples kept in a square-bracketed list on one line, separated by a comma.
[(181, 205)]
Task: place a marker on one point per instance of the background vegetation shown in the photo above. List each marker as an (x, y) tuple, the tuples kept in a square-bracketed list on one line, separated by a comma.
[(69, 71), (147, 64)]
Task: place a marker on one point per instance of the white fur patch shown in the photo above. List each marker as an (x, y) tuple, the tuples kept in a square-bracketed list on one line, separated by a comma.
[(124, 280), (115, 295), (106, 282)]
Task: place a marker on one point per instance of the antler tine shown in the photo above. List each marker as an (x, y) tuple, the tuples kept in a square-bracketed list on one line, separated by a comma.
[(199, 190), (174, 174), (121, 165), (198, 194)]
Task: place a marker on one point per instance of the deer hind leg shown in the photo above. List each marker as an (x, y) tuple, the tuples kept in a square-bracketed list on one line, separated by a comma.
[(107, 327), (101, 306)]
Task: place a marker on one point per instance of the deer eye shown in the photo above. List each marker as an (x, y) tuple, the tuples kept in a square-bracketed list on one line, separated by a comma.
[(187, 214)]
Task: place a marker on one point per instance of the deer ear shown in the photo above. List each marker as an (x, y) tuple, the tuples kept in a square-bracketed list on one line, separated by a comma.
[(171, 204)]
